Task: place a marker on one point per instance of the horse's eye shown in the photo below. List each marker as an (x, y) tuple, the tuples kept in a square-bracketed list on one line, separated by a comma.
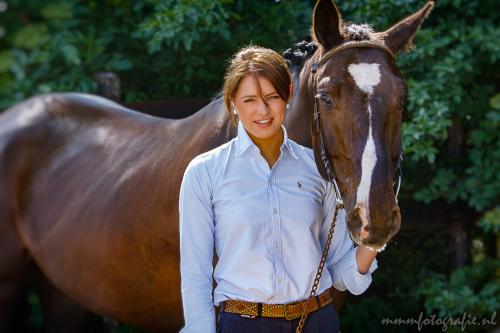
[(325, 98)]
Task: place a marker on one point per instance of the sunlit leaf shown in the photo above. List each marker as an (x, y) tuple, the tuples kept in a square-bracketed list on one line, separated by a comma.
[(31, 36)]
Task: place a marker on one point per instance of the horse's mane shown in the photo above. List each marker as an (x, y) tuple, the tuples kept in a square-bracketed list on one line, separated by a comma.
[(301, 51), (298, 53)]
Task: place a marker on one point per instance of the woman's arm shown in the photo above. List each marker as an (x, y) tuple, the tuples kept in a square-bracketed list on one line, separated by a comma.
[(196, 231), (364, 258)]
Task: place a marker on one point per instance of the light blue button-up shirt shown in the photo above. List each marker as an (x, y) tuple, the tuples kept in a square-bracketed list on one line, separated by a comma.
[(268, 226)]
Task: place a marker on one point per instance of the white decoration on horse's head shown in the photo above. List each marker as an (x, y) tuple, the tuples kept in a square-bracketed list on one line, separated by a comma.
[(366, 76)]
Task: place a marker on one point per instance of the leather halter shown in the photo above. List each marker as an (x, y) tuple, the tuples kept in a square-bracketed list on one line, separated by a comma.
[(324, 157)]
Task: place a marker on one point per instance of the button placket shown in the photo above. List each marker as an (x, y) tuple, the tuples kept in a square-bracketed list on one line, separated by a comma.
[(280, 269), (278, 260), (274, 228)]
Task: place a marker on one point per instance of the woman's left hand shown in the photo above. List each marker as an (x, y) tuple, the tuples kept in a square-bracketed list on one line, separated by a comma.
[(364, 258)]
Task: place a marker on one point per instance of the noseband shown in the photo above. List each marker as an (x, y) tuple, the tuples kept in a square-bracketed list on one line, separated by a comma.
[(324, 157)]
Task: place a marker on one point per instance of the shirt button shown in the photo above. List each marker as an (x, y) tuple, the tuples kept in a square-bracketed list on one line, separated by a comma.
[(279, 280), (275, 245), (275, 210)]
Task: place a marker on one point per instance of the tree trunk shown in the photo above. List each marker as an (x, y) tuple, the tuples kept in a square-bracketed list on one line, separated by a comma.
[(461, 221)]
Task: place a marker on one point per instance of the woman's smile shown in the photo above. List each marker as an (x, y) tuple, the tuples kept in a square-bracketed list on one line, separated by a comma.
[(264, 123)]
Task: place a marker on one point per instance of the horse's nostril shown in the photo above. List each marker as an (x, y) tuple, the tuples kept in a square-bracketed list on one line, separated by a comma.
[(396, 220), (356, 211), (355, 222)]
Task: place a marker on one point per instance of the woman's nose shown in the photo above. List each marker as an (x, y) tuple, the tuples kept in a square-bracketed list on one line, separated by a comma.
[(262, 107)]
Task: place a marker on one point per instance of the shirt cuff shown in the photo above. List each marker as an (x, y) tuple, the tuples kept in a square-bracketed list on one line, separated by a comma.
[(201, 326), (199, 314), (348, 275)]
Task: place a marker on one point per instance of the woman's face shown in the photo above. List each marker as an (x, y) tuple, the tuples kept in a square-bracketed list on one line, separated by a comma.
[(262, 122)]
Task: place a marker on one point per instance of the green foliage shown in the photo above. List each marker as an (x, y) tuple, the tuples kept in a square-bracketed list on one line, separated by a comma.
[(393, 294), (178, 25), (36, 317), (59, 45), (453, 90), (473, 289), (490, 222), (194, 39)]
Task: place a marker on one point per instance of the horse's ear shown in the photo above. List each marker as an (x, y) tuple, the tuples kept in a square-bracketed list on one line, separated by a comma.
[(327, 24), (399, 37)]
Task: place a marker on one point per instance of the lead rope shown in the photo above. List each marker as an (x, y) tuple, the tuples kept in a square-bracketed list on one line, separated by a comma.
[(322, 262)]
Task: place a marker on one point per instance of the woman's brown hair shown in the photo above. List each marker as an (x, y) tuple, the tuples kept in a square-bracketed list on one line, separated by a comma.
[(258, 62)]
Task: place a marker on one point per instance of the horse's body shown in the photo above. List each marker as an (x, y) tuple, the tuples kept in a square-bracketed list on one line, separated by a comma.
[(97, 190), (89, 193)]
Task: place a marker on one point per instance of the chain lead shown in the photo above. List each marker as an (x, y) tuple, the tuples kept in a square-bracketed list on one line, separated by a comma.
[(322, 262)]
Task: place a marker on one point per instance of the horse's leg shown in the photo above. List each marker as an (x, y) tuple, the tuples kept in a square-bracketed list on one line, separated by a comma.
[(61, 314), (14, 263), (18, 275)]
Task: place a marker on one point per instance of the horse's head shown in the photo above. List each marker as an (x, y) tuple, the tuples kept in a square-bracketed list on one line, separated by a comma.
[(358, 96)]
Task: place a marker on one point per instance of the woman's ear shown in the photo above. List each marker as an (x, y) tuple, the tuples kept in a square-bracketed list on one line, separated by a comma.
[(291, 91)]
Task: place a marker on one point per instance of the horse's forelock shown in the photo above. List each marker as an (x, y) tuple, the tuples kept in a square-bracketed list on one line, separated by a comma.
[(354, 32)]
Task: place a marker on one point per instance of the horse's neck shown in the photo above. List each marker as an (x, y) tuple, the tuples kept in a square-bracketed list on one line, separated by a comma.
[(208, 128), (299, 115)]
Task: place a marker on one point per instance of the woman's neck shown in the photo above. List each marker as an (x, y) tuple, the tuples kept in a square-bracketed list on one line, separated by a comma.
[(269, 147)]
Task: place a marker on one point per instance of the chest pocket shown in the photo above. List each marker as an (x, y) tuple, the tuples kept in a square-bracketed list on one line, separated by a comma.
[(301, 203)]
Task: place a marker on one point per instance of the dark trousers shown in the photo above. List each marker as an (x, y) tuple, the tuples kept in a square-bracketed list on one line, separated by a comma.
[(324, 320)]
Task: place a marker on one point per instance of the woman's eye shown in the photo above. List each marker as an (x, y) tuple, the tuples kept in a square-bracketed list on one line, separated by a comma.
[(273, 98), (248, 100)]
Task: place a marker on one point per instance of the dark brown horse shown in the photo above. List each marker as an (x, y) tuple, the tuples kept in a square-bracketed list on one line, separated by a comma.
[(89, 189)]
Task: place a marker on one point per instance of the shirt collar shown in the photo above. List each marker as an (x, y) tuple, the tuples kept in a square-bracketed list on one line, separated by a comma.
[(244, 141)]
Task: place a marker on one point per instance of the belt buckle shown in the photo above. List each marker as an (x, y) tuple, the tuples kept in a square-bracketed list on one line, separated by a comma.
[(290, 316), (248, 316)]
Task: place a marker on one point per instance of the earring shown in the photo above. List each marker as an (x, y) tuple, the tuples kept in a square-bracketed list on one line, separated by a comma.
[(236, 116), (287, 106)]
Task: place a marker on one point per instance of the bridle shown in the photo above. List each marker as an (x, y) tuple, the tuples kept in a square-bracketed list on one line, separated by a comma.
[(330, 173), (324, 157)]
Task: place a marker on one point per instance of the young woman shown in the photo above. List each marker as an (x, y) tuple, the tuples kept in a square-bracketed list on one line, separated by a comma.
[(261, 202)]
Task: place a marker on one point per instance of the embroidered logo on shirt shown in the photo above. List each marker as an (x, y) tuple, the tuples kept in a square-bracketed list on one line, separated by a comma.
[(299, 184)]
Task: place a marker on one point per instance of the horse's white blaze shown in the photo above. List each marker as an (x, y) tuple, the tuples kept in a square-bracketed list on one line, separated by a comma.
[(368, 161), (366, 76)]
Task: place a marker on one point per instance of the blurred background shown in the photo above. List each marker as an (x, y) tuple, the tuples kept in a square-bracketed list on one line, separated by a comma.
[(164, 57)]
